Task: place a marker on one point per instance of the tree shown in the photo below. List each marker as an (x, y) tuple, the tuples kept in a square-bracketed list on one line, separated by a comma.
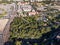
[(18, 43)]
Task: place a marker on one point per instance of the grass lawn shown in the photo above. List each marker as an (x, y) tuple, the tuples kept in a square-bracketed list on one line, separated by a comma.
[(3, 14)]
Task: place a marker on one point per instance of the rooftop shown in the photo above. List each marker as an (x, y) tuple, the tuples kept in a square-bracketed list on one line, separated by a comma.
[(3, 23)]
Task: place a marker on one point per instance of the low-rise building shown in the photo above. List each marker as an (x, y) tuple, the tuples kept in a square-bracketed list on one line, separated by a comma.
[(19, 0), (26, 8), (39, 0), (20, 12), (26, 0), (41, 8), (22, 3), (32, 13), (32, 0), (56, 7)]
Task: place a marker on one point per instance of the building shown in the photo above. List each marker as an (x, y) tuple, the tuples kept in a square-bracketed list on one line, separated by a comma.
[(22, 3), (39, 0), (32, 13), (4, 31), (56, 7), (32, 0), (41, 8), (26, 8), (19, 0), (26, 0)]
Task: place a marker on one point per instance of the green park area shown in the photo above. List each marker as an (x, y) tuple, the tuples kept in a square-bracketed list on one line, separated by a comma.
[(2, 12), (25, 28)]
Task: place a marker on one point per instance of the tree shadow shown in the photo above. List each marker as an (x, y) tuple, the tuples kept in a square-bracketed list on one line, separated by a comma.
[(48, 36)]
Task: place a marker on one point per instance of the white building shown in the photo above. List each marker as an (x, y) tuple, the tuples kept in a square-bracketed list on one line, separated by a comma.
[(26, 8), (22, 4), (32, 0), (56, 7), (39, 0), (18, 0)]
